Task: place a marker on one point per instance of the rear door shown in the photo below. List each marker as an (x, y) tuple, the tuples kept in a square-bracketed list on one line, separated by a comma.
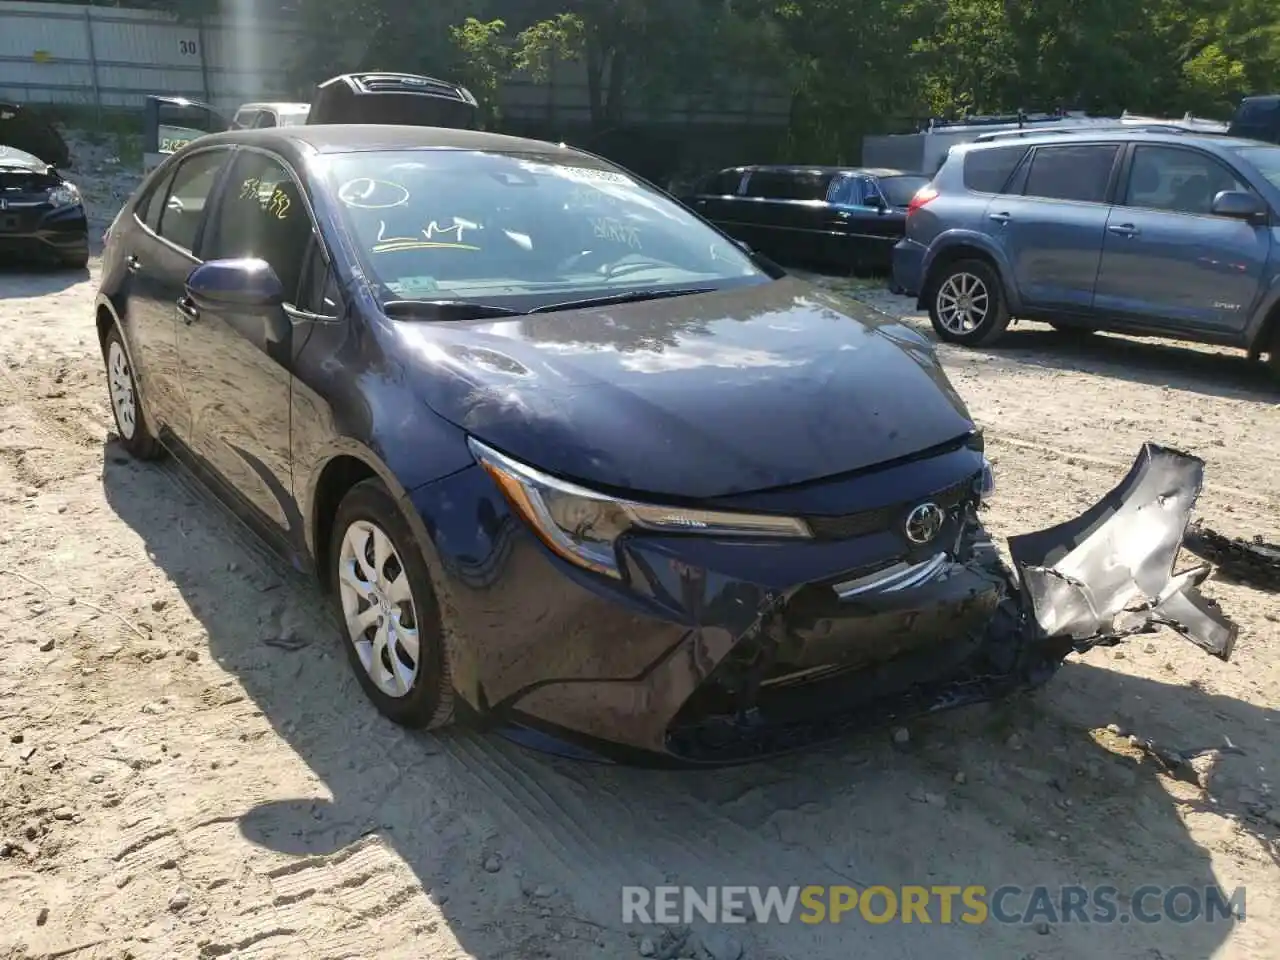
[(1051, 225), (158, 255), (715, 197), (1167, 261), (785, 214)]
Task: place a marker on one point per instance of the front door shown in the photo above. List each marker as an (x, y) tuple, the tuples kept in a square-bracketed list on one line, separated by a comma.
[(784, 214), (240, 381), (1167, 261), (158, 255), (1052, 223)]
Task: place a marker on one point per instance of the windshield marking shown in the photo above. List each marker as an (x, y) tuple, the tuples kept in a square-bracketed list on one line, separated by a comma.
[(609, 228), (385, 244), (365, 193), (276, 202)]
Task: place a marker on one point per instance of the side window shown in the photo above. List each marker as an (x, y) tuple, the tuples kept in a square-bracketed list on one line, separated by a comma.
[(845, 191), (1178, 181), (788, 184), (723, 184), (266, 119), (262, 215), (318, 292), (1079, 173), (871, 196), (988, 171), (184, 206), (150, 207)]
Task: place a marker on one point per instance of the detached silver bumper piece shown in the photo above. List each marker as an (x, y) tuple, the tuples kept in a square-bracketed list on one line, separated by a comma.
[(1108, 574)]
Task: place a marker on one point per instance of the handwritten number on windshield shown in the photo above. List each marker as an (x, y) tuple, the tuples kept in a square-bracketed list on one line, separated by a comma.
[(276, 203)]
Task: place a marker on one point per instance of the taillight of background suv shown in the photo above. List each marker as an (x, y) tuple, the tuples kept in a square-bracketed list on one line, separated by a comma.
[(923, 196)]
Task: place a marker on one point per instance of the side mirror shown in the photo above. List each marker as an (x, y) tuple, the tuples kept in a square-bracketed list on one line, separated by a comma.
[(244, 283), (1239, 205), (244, 289)]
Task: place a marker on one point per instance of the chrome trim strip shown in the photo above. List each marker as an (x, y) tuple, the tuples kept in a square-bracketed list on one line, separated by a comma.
[(900, 576)]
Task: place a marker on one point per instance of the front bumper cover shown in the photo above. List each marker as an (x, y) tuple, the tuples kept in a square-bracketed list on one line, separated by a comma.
[(817, 665)]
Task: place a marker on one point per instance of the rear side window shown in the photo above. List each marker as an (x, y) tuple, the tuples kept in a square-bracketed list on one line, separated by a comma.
[(987, 171), (150, 207), (184, 208), (1079, 173), (788, 184), (724, 183), (265, 119)]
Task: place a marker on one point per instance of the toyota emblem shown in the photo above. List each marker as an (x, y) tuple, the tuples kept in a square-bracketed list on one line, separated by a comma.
[(924, 522)]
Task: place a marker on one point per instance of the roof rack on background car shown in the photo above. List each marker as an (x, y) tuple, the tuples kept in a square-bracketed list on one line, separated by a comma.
[(1102, 128)]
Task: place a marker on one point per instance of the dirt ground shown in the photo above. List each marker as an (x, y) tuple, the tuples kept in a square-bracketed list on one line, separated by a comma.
[(189, 770)]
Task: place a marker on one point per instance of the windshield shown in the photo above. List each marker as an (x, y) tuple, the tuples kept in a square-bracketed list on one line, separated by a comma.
[(898, 191), (462, 224), (1266, 159)]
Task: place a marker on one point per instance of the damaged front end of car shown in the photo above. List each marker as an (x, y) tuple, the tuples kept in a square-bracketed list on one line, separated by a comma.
[(805, 672)]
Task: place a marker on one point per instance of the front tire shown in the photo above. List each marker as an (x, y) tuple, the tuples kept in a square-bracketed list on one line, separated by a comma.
[(967, 305), (387, 610), (132, 425)]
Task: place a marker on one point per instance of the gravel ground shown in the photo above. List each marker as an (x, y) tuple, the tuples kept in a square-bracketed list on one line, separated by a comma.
[(177, 782)]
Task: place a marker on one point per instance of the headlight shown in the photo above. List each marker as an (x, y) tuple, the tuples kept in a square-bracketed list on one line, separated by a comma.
[(582, 525), (64, 195), (987, 482)]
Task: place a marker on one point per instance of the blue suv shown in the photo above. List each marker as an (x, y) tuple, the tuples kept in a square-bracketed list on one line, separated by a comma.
[(1150, 233)]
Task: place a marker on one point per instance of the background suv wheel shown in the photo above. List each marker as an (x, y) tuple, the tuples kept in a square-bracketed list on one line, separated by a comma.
[(966, 304)]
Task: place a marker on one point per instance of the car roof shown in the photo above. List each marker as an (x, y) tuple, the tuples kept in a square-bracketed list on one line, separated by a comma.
[(274, 105), (354, 137), (820, 168), (1084, 134)]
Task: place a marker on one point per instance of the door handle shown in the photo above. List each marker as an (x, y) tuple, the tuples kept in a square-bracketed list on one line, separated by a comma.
[(999, 217), (132, 263), (188, 310), (1124, 229)]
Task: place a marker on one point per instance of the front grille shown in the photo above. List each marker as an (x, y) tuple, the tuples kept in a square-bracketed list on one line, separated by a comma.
[(867, 522)]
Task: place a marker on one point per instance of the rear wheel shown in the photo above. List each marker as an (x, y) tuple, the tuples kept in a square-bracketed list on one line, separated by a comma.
[(126, 405), (388, 611), (966, 304)]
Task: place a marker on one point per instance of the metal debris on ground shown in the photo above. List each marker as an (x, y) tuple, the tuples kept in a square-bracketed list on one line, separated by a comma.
[(1254, 563)]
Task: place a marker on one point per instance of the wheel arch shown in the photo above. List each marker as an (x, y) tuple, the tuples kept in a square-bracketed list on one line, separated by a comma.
[(1267, 337), (965, 246)]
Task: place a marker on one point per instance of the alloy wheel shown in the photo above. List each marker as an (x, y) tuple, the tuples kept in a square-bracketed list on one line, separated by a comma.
[(123, 401), (378, 608), (963, 303)]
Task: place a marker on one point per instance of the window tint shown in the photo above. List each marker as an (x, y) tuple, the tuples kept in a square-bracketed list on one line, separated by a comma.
[(149, 208), (987, 171), (899, 190), (788, 184), (1071, 173), (262, 215), (845, 190), (318, 293), (724, 183), (184, 208), (1179, 181)]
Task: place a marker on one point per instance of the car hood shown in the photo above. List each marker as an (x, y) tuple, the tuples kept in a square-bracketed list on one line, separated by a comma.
[(691, 397), (19, 161)]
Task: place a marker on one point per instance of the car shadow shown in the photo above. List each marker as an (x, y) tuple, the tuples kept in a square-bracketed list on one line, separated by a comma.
[(1029, 792), (1148, 361), (26, 280)]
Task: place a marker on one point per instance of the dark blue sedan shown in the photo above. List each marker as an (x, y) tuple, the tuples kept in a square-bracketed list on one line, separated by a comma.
[(568, 459)]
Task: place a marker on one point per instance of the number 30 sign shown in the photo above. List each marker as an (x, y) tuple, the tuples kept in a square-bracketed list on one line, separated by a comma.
[(188, 48)]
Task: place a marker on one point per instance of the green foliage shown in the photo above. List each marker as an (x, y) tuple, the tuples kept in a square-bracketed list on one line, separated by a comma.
[(852, 66)]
